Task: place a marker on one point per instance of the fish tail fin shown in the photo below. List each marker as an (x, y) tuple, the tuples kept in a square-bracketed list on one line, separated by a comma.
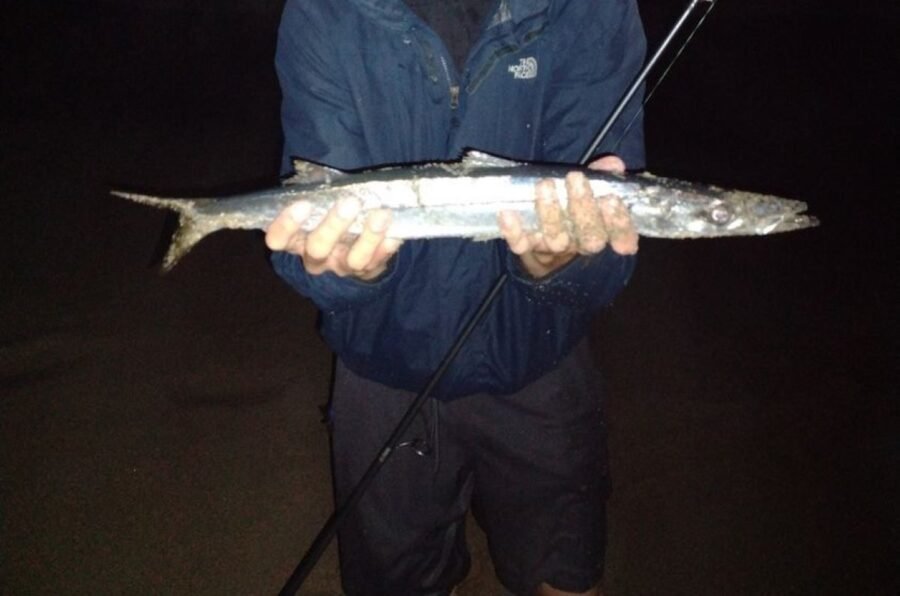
[(193, 225)]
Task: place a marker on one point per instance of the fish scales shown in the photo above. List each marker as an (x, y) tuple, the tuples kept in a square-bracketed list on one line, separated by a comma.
[(463, 198)]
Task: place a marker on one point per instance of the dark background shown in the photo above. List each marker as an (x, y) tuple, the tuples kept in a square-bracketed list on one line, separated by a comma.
[(162, 435)]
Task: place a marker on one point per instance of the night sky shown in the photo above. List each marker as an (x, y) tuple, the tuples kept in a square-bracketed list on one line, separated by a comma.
[(162, 435)]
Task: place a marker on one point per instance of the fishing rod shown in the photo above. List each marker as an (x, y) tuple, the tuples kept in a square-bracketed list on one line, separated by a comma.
[(330, 529), (642, 75)]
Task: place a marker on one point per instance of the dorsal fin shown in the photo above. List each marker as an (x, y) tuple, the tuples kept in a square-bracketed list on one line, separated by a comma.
[(478, 159), (307, 172)]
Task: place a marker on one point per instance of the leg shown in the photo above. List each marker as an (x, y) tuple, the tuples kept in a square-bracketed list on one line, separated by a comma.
[(407, 534), (541, 481)]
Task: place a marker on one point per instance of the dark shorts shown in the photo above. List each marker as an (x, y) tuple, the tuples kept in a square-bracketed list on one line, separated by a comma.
[(532, 467)]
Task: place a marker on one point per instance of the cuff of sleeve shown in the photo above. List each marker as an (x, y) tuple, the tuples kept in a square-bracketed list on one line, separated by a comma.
[(331, 292), (588, 281)]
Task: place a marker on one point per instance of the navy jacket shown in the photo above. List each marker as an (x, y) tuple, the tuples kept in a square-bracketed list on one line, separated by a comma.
[(366, 82)]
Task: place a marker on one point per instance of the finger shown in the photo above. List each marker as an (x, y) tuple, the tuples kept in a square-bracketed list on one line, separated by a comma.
[(383, 253), (322, 241), (387, 249), (608, 163), (336, 262), (296, 245), (585, 214), (550, 216), (512, 231), (362, 251), (623, 237), (281, 232)]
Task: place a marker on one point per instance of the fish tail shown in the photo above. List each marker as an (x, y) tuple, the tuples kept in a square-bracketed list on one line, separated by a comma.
[(192, 224)]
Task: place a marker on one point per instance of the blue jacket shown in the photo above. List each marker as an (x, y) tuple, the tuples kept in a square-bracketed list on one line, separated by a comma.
[(365, 82)]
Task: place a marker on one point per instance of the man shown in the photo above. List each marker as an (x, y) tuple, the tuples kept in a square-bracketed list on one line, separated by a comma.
[(514, 430)]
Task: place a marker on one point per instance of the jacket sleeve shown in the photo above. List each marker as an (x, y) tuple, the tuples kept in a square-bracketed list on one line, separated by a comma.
[(596, 65), (587, 283), (320, 124), (331, 293)]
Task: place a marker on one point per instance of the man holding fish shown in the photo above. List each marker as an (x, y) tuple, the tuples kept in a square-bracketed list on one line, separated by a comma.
[(514, 431)]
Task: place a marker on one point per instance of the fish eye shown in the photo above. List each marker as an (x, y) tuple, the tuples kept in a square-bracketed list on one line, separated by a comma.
[(720, 214)]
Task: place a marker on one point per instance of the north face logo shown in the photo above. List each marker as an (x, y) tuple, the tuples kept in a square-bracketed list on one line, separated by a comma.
[(525, 69)]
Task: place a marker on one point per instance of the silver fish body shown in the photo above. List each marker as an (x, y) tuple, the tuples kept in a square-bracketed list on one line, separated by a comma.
[(463, 198)]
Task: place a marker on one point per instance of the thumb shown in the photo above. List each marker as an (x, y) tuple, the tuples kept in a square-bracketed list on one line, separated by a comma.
[(608, 163)]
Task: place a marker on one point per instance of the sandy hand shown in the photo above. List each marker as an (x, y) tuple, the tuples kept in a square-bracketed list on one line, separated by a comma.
[(596, 222), (328, 247)]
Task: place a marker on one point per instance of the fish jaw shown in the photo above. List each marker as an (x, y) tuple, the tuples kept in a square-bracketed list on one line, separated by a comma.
[(783, 215), (674, 209), (752, 214)]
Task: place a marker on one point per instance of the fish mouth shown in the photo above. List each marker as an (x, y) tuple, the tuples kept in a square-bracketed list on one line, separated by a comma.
[(768, 214), (798, 221), (793, 217)]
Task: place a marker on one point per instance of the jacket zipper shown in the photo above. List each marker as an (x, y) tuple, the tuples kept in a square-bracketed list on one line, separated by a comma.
[(454, 89)]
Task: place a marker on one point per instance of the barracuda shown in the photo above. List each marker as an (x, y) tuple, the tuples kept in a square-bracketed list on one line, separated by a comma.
[(462, 199)]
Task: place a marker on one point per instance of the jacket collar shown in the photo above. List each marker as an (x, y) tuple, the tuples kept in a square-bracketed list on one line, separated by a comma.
[(396, 15)]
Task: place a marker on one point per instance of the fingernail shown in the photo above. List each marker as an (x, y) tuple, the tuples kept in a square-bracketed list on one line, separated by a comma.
[(300, 211), (347, 208), (379, 222)]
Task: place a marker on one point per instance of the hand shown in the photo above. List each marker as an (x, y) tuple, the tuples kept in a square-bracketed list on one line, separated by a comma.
[(328, 247), (596, 222)]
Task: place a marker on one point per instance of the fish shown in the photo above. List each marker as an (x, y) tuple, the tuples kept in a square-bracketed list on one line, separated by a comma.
[(462, 199)]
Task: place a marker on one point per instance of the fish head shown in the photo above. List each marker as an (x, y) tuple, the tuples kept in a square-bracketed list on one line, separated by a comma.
[(746, 213), (693, 214)]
